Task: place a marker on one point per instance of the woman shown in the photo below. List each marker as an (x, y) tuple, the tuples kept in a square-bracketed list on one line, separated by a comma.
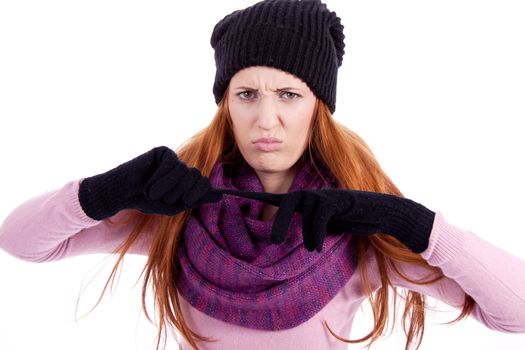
[(242, 272)]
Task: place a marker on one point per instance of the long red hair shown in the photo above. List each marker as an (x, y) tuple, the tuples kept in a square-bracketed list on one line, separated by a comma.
[(333, 144)]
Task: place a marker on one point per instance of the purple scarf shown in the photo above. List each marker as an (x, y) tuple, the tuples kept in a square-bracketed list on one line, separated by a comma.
[(231, 271)]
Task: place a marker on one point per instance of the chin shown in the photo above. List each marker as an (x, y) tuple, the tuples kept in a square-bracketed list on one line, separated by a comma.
[(270, 164)]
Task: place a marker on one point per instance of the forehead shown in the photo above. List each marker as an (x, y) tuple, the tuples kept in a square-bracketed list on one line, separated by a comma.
[(269, 76)]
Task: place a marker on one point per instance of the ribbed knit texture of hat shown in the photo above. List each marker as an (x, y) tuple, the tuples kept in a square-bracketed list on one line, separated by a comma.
[(302, 37)]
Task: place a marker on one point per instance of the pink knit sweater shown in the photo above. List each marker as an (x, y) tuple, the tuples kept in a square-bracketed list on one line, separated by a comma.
[(53, 226)]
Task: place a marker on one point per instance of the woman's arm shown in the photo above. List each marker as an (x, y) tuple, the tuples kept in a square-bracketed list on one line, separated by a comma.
[(494, 278), (53, 226)]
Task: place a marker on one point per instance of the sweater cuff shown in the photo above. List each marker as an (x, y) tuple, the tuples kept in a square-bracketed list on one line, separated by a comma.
[(446, 241), (72, 199)]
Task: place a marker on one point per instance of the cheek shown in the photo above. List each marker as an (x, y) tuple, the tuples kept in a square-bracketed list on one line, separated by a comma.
[(241, 134), (240, 129), (299, 129)]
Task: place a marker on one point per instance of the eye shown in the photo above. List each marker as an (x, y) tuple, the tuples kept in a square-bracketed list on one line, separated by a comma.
[(289, 95), (246, 95)]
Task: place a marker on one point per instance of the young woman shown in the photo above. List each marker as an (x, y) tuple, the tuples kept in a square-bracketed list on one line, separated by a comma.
[(270, 227)]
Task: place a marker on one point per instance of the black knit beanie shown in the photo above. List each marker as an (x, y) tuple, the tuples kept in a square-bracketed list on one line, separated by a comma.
[(302, 37)]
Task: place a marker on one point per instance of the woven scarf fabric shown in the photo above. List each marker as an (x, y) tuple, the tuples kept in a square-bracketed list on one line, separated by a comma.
[(231, 271)]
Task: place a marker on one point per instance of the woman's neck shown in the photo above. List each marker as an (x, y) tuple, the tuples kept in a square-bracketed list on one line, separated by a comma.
[(277, 182)]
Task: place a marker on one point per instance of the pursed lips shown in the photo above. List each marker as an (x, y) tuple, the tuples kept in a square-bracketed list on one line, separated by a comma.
[(267, 140), (267, 144)]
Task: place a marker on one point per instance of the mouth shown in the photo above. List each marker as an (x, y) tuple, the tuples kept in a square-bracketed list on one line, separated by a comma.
[(267, 144)]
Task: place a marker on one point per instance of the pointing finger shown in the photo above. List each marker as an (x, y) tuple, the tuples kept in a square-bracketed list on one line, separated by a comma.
[(283, 216)]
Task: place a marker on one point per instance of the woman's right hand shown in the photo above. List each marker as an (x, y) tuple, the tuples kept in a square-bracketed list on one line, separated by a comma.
[(156, 182)]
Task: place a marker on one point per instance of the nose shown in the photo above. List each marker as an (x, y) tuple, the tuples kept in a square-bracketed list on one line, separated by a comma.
[(267, 114)]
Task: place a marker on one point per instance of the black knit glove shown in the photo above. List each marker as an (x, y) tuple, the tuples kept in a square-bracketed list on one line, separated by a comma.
[(333, 211), (156, 182)]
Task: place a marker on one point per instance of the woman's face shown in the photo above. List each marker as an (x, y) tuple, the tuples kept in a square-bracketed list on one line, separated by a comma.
[(271, 112)]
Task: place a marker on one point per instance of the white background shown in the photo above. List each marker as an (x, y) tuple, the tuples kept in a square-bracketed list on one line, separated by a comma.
[(436, 88)]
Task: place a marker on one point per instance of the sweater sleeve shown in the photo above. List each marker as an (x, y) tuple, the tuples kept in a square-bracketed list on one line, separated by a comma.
[(53, 226), (494, 278)]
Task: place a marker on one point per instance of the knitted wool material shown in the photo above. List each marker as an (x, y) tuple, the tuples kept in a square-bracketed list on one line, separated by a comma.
[(232, 272), (304, 38)]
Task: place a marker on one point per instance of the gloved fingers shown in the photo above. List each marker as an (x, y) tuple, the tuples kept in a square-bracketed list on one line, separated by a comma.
[(210, 197), (320, 223), (185, 184), (310, 207), (197, 191), (284, 215), (167, 154), (155, 157), (161, 161), (164, 181)]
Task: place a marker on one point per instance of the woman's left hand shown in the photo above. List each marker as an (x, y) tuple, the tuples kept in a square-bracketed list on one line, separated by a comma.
[(330, 211)]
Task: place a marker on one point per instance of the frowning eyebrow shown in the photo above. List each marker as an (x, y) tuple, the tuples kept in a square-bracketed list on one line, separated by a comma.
[(281, 89)]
